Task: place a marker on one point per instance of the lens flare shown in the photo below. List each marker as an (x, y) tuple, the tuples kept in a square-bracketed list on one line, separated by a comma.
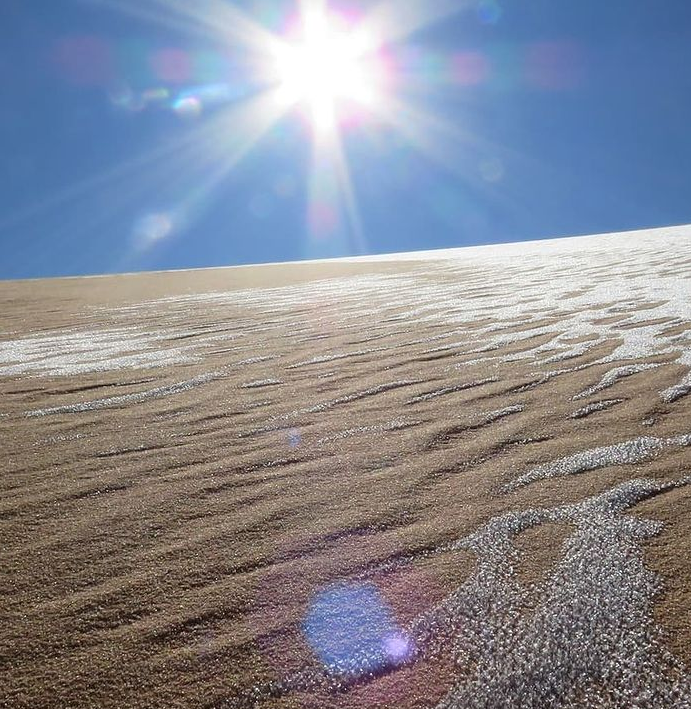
[(188, 107), (152, 228), (352, 631)]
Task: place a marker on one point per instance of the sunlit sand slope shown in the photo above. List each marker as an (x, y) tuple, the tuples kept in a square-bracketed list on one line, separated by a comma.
[(453, 480)]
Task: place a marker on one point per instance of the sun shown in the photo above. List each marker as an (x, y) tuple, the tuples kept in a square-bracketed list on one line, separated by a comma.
[(342, 66), (331, 69)]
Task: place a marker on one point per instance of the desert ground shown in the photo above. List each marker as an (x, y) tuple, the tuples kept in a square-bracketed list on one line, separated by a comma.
[(445, 480)]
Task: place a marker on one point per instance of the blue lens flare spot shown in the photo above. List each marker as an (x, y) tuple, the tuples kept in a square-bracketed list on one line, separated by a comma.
[(352, 630)]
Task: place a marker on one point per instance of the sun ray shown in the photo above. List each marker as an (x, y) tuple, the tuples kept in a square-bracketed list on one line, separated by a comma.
[(348, 191), (148, 12), (336, 70), (247, 123), (332, 206), (124, 172), (194, 164), (212, 19), (225, 20), (429, 133), (395, 20)]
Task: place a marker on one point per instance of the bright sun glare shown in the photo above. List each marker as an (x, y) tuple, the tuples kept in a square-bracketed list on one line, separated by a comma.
[(332, 70), (336, 65)]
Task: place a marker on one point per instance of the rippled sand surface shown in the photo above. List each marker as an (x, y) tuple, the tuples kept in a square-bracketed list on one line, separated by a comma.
[(448, 480)]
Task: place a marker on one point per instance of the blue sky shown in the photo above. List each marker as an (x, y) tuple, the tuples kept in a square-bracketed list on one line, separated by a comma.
[(131, 137)]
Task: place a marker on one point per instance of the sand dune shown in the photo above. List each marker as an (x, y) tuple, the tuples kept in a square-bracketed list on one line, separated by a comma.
[(457, 479)]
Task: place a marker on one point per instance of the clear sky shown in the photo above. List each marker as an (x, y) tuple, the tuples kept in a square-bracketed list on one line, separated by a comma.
[(156, 134)]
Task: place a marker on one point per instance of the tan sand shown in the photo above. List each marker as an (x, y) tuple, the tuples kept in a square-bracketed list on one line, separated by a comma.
[(190, 459)]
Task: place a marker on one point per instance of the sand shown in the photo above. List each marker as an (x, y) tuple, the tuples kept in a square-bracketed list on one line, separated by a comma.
[(456, 480)]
